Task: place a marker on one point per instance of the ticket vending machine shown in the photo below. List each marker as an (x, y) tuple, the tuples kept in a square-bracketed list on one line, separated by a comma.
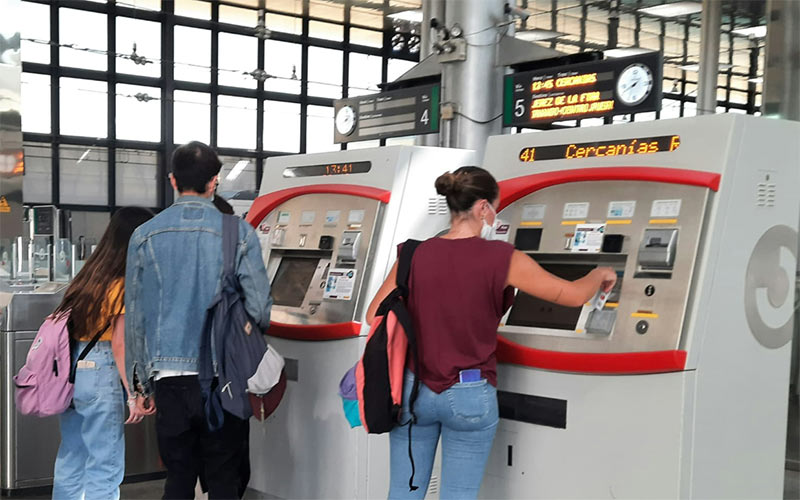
[(329, 225), (676, 387)]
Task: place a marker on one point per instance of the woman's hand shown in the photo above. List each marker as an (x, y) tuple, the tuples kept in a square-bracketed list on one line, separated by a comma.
[(606, 276), (139, 407)]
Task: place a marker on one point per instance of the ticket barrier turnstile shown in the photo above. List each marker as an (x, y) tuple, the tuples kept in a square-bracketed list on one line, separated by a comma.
[(677, 387), (329, 225)]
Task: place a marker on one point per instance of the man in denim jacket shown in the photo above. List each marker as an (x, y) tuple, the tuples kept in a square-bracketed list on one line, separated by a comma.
[(173, 272)]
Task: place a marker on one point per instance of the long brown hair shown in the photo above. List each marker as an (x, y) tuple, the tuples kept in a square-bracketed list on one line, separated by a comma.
[(87, 294)]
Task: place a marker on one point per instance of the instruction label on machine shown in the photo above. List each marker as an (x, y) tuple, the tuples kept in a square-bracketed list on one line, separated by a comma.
[(576, 210), (340, 284), (588, 238), (532, 213), (666, 208), (621, 209)]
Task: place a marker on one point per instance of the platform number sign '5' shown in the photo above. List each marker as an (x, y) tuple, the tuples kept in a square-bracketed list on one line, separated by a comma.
[(769, 281)]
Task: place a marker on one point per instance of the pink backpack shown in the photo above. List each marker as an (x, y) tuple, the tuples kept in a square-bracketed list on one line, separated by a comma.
[(46, 382)]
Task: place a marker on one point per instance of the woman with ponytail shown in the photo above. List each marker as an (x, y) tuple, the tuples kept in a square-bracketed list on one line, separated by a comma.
[(461, 285)]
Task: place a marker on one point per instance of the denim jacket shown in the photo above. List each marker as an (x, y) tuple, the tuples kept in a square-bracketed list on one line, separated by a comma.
[(173, 272)]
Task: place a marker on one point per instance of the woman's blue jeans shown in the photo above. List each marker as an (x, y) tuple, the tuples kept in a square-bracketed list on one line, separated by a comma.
[(465, 415), (91, 459)]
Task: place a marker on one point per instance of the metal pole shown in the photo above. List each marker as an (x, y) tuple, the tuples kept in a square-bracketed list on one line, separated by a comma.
[(782, 72), (709, 57), (474, 85), (431, 9)]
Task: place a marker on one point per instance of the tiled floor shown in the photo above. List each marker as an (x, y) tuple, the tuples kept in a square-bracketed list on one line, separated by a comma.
[(152, 490)]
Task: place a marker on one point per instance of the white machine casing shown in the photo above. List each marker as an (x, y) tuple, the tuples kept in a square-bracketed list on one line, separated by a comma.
[(306, 449), (714, 425)]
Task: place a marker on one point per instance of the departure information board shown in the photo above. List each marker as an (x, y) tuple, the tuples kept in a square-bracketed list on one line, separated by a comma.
[(585, 90), (397, 113), (621, 147)]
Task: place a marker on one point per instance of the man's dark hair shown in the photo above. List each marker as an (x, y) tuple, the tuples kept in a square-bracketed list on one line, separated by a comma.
[(193, 166)]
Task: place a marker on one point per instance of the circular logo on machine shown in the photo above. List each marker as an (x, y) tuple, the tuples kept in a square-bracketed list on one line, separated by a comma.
[(769, 280)]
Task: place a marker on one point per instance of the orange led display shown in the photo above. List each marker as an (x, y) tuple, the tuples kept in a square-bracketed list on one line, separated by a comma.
[(637, 146)]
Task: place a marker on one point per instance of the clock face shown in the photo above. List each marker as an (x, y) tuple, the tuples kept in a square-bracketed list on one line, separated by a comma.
[(346, 120), (634, 84)]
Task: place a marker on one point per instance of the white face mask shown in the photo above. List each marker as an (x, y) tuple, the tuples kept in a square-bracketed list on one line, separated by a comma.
[(487, 231)]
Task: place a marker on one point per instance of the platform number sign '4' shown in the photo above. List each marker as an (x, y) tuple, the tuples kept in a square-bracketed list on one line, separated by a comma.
[(424, 118)]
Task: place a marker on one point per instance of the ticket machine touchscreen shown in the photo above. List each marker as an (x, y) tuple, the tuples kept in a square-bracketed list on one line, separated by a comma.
[(292, 280)]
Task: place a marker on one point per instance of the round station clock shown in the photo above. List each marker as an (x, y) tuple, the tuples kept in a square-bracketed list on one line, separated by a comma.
[(346, 120), (634, 84)]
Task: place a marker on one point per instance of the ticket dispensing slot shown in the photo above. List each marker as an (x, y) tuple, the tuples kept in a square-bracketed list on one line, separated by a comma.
[(657, 253), (532, 312), (347, 253)]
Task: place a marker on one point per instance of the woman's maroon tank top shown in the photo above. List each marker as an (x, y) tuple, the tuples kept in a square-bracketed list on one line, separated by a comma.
[(458, 296)]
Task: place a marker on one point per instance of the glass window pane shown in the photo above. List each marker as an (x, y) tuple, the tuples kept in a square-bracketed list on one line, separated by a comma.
[(291, 6), (137, 178), (35, 103), (138, 113), (237, 174), (282, 126), (400, 141), (397, 67), (670, 109), (326, 9), (285, 24), (365, 74), (645, 117), (366, 37), (151, 5), (236, 119), (192, 117), (37, 184), (326, 31), (193, 8), (78, 97), (236, 15), (364, 144), (91, 225), (147, 37), (83, 175), (365, 16), (192, 54), (325, 68), (35, 26), (90, 45), (282, 60), (319, 136), (592, 122), (240, 57)]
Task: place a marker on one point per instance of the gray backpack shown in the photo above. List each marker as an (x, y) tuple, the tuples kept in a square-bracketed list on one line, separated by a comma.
[(232, 345)]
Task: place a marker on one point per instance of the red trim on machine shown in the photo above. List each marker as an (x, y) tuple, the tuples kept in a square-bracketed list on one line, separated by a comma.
[(336, 331), (512, 190), (584, 362), (265, 204)]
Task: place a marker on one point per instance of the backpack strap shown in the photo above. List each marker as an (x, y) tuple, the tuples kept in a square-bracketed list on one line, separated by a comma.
[(403, 275), (404, 265), (85, 351), (230, 240)]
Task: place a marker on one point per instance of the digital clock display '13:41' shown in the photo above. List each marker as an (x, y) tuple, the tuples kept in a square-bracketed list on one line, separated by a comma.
[(355, 167)]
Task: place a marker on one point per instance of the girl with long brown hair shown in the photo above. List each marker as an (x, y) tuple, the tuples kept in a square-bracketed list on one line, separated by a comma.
[(91, 458)]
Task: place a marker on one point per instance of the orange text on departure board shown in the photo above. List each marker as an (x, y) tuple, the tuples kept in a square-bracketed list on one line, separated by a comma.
[(564, 82), (628, 147)]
